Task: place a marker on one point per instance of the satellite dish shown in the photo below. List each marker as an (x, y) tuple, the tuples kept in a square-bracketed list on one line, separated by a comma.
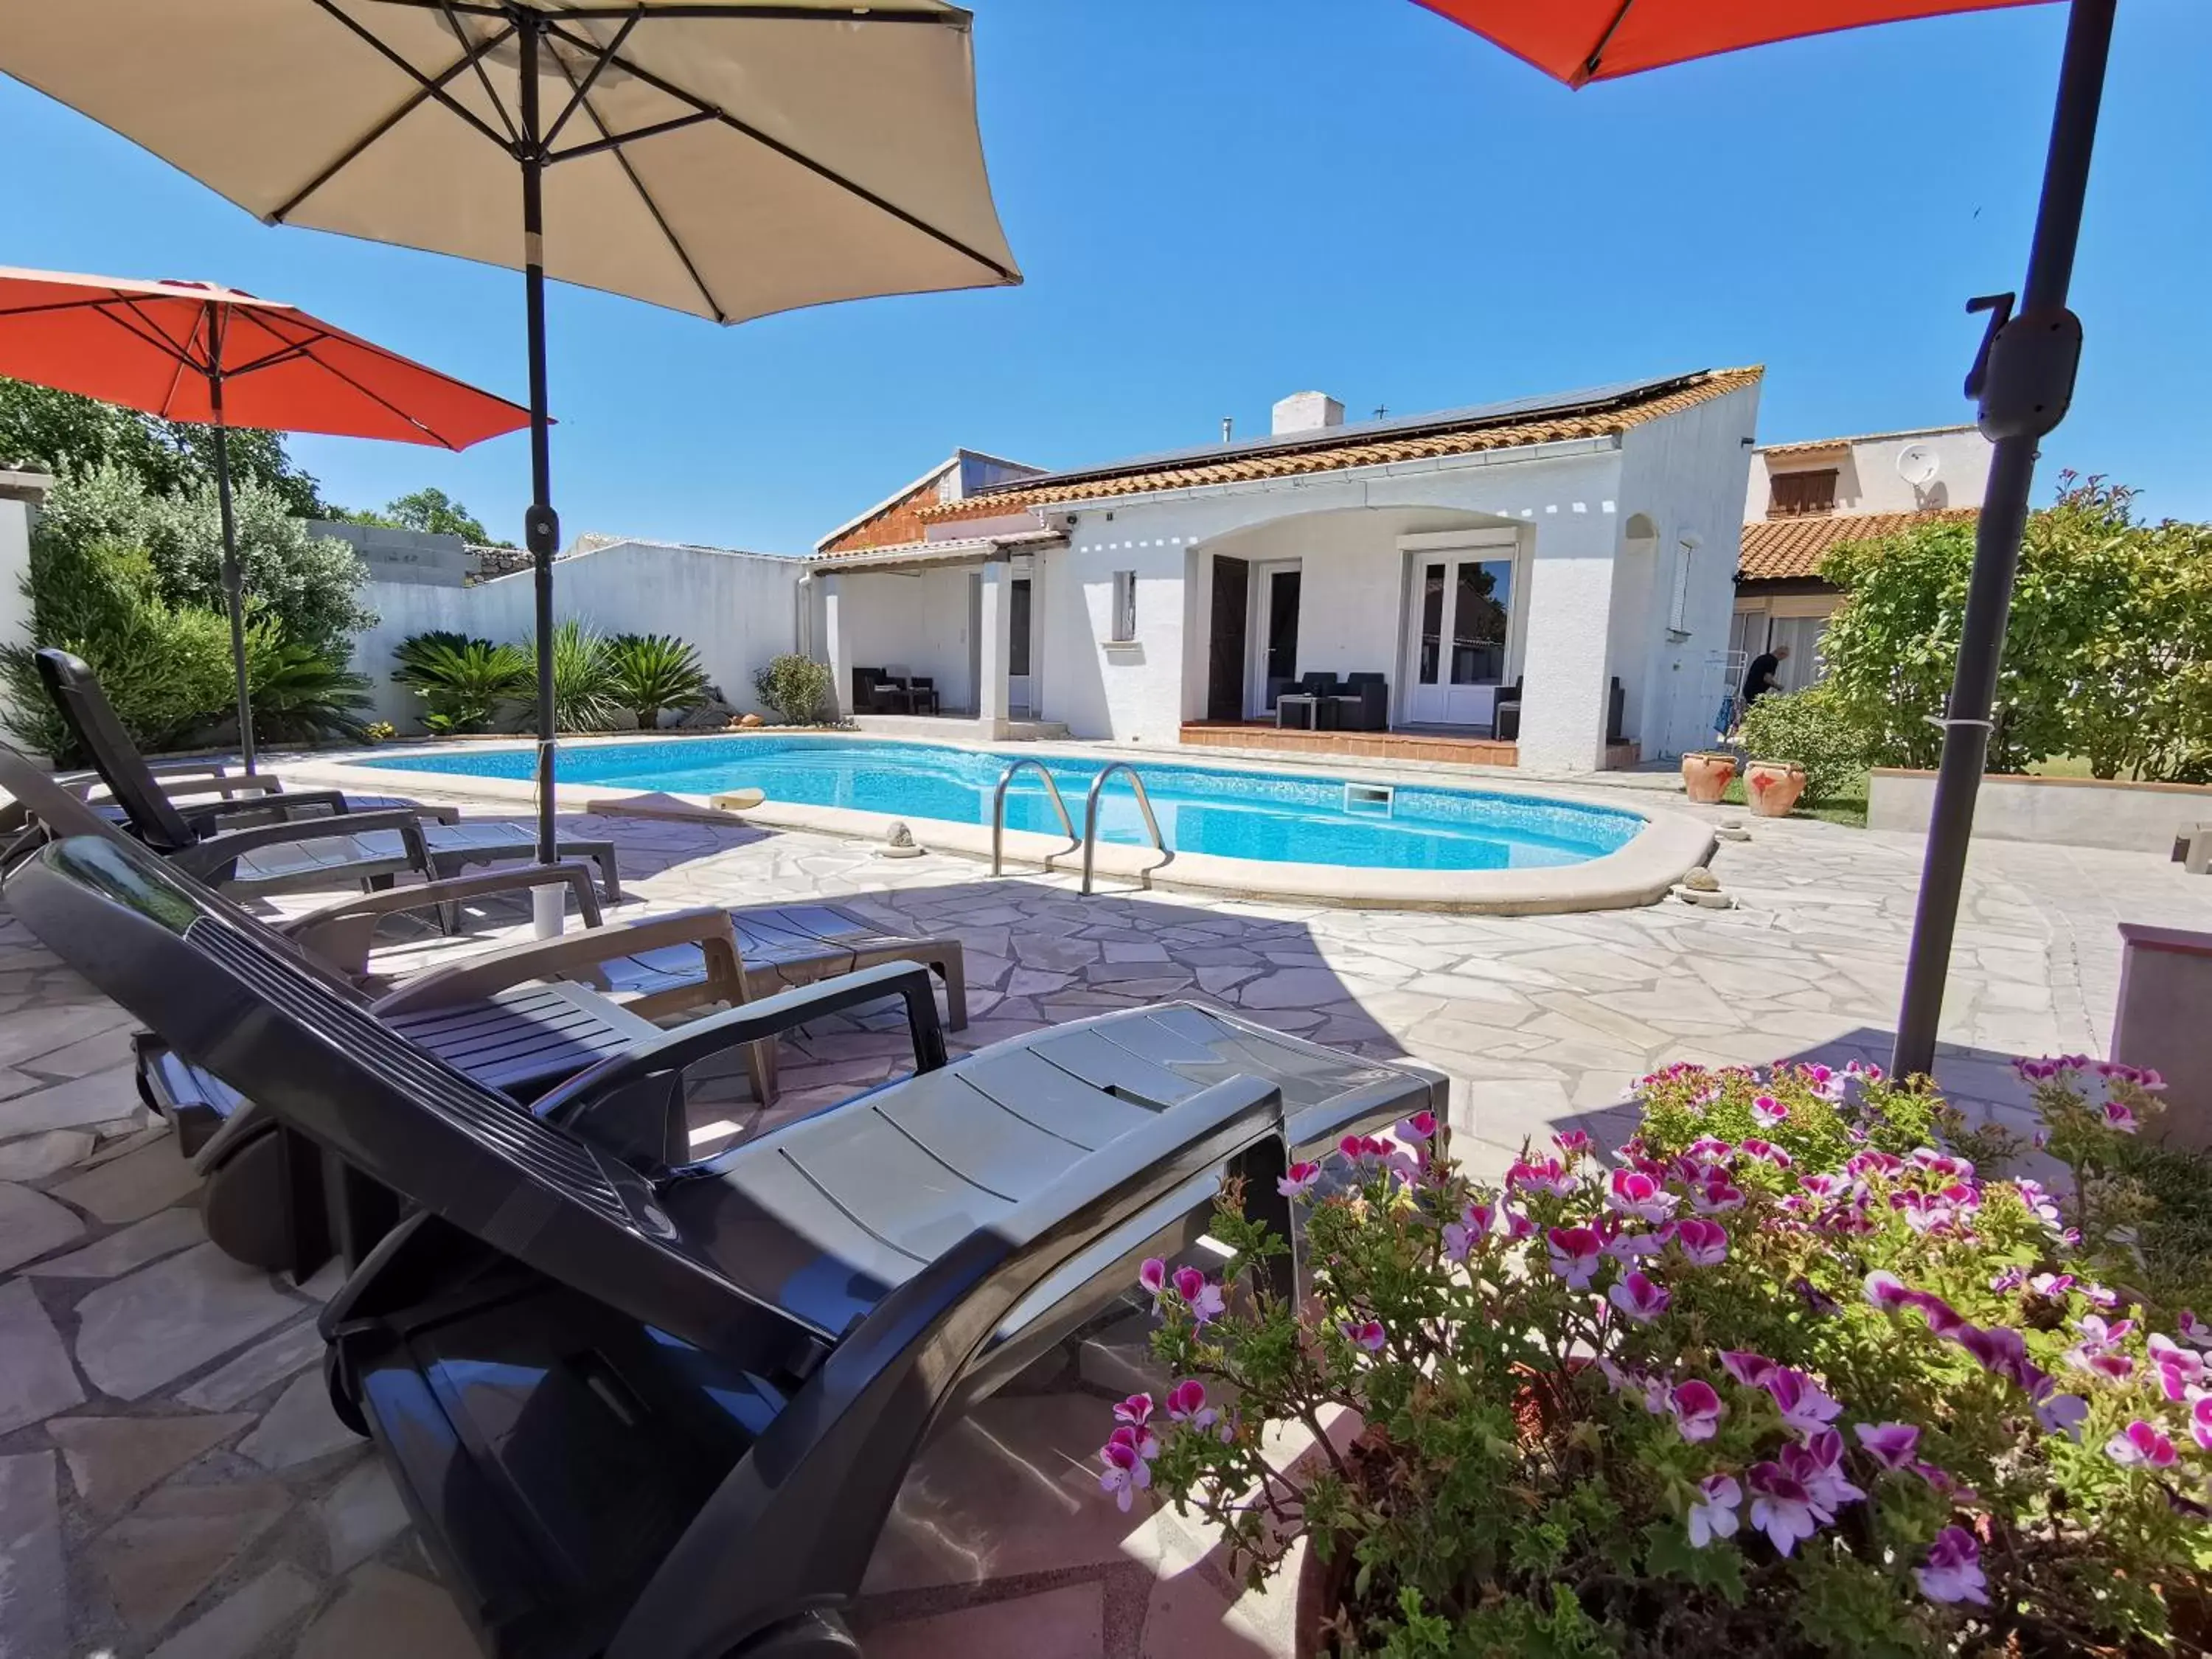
[(1917, 464)]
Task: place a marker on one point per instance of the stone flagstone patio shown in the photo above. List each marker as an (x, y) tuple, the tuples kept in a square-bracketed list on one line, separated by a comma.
[(172, 1482)]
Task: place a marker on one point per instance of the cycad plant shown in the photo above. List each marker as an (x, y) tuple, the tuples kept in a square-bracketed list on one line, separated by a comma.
[(298, 693), (653, 671), (463, 681)]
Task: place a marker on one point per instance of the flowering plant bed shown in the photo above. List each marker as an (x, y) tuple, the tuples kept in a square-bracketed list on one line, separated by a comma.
[(1793, 1371)]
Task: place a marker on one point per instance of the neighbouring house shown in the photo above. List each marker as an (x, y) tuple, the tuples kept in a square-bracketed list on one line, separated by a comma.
[(1502, 570), (1807, 498)]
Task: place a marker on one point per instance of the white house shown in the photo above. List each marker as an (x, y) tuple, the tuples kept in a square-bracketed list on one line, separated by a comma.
[(1563, 542), (1807, 498)]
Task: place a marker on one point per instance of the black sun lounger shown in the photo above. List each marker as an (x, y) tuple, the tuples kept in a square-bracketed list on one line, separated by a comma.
[(652, 1410), (355, 844)]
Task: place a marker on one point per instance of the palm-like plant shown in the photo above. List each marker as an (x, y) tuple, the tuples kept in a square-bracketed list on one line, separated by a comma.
[(653, 671), (462, 681), (583, 697), (298, 693)]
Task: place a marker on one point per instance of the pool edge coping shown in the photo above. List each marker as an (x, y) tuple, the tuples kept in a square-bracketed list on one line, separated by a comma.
[(1640, 872)]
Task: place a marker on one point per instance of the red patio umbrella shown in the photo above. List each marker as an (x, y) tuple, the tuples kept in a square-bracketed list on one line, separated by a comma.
[(193, 351), (2022, 379)]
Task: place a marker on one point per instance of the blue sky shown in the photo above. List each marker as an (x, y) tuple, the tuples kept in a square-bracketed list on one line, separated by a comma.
[(1219, 202)]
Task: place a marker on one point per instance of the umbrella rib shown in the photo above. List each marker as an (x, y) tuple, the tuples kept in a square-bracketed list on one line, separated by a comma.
[(355, 151), (430, 87), (583, 89), (797, 157), (322, 334), (475, 63), (675, 243), (616, 141), (711, 12), (1596, 57)]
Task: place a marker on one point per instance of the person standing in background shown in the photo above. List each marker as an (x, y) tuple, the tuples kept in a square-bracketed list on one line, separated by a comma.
[(1758, 679)]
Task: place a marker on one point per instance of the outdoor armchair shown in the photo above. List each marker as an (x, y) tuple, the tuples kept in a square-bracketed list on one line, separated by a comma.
[(660, 1409)]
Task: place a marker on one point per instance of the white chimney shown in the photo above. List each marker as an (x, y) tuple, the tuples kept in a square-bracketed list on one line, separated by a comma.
[(1308, 411)]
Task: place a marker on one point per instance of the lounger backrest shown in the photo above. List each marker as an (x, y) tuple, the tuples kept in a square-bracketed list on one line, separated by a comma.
[(92, 719), (228, 1000)]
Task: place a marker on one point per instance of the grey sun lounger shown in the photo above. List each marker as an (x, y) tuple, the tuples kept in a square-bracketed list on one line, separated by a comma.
[(656, 1409), (370, 847)]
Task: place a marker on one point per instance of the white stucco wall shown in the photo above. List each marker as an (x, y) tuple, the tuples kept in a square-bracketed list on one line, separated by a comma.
[(1867, 478), (1343, 528), (19, 495), (1687, 475), (738, 609), (916, 621)]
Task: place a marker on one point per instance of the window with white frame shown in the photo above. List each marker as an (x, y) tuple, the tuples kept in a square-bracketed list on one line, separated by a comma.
[(1677, 601), (1122, 625)]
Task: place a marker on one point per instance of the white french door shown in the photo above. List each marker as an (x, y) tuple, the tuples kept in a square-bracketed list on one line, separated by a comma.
[(1455, 633)]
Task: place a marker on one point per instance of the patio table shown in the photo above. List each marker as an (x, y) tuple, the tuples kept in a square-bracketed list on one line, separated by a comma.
[(1307, 708)]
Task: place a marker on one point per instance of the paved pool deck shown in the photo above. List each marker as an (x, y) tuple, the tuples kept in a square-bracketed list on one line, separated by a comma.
[(172, 1482)]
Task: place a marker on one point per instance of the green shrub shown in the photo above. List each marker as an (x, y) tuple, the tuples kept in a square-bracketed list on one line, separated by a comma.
[(1816, 730), (799, 689), (308, 584), (583, 697), (166, 668), (653, 671), (464, 682)]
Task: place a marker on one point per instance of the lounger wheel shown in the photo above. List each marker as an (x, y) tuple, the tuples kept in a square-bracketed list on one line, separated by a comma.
[(242, 1205), (811, 1636), (337, 1378)]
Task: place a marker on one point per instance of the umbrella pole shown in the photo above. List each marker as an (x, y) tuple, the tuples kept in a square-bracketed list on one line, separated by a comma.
[(541, 527), (233, 578), (2025, 380)]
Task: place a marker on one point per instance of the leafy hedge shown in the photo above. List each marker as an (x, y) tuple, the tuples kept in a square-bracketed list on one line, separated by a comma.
[(1816, 729)]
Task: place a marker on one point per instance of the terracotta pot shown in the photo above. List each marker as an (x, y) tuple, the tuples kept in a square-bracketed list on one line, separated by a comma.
[(1773, 786), (1705, 776), (1321, 1593)]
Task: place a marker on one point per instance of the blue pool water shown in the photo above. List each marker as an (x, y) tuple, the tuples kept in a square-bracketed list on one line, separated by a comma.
[(1277, 817)]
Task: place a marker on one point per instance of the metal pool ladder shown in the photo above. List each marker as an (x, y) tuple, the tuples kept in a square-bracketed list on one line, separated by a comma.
[(1091, 820), (1067, 823)]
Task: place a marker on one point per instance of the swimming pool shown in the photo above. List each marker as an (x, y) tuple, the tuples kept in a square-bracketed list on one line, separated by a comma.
[(1272, 817)]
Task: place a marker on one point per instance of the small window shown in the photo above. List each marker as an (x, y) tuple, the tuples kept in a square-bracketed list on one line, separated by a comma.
[(1125, 608), (1795, 493), (1678, 602)]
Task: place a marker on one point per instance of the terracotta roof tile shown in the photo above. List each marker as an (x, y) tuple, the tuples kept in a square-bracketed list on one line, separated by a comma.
[(1775, 550), (1497, 432)]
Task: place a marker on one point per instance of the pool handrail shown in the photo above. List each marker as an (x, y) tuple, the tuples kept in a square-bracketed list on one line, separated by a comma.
[(1091, 820), (998, 815)]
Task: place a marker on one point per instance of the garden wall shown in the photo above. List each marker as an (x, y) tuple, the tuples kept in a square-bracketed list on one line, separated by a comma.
[(2131, 817), (738, 609)]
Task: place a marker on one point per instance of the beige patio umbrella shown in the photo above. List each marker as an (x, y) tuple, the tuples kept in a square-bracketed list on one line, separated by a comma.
[(729, 160)]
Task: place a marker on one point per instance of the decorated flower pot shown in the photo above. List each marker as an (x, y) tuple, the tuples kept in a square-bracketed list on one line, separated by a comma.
[(1705, 776), (1773, 786)]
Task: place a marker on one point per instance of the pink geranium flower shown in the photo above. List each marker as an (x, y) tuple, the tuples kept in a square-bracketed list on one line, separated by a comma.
[(2119, 1118), (1420, 1127), (1886, 1291), (1766, 1152), (1633, 1193), (1871, 1163), (1698, 1409), (1153, 1276), (2061, 1414), (1716, 1196), (1713, 1515), (1953, 1570), (1708, 1149), (1366, 1334), (2140, 1445), (1518, 1225), (1186, 1405), (1576, 1252), (1298, 1180), (1890, 1445), (2200, 1422), (2196, 1329), (1747, 1367), (1640, 1298), (1572, 1144), (1704, 1244), (1126, 1468), (1806, 1407), (1781, 1507), (1200, 1294), (1768, 1112), (1549, 1175), (1817, 1466)]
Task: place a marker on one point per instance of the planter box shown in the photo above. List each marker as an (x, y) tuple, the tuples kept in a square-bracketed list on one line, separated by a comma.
[(2129, 817), (2166, 986)]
